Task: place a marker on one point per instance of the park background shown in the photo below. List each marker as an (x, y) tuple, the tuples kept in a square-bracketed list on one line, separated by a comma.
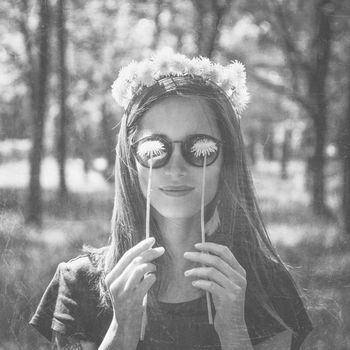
[(58, 131)]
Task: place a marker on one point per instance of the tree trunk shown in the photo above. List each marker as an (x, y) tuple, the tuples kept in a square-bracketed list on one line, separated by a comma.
[(285, 156), (34, 204), (269, 147), (346, 177), (62, 130), (318, 165), (199, 16), (320, 57), (158, 5), (345, 153), (209, 18)]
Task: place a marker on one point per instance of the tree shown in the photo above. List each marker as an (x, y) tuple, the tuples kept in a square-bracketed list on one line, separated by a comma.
[(286, 145), (346, 166), (344, 148), (39, 101), (306, 47), (341, 95), (209, 18), (63, 120)]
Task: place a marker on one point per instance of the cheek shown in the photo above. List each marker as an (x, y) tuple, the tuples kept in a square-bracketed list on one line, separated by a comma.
[(143, 173), (213, 177), (143, 176)]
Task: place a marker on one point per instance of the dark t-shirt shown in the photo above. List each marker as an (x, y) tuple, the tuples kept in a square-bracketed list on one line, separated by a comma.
[(70, 306)]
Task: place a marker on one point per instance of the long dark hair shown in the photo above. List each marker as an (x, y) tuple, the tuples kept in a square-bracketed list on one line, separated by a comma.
[(242, 228)]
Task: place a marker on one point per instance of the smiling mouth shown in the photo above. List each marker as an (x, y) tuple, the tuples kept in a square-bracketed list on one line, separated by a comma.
[(176, 191)]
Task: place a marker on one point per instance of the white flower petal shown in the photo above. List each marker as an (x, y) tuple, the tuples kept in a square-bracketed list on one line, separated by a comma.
[(151, 149), (204, 148), (137, 75)]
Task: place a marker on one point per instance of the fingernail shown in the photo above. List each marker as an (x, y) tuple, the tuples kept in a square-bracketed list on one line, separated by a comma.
[(151, 240), (194, 283), (186, 273), (198, 245)]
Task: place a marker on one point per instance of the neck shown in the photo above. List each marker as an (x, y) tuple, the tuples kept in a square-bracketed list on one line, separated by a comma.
[(179, 236)]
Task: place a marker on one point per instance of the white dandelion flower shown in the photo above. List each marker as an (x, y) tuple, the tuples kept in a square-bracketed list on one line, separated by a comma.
[(151, 149), (139, 75), (204, 148)]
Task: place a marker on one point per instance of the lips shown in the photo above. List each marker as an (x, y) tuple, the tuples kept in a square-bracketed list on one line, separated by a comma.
[(176, 191)]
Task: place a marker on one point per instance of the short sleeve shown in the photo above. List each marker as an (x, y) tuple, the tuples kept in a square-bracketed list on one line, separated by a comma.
[(43, 317), (68, 306), (286, 301)]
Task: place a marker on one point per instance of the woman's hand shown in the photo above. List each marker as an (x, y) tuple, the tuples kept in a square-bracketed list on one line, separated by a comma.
[(128, 282), (225, 279)]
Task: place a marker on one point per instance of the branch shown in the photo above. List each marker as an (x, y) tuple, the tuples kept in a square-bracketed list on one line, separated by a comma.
[(282, 90), (23, 26), (199, 15), (293, 55), (219, 10), (286, 38), (157, 34)]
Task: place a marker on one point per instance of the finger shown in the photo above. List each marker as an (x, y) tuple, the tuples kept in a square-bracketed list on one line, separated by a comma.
[(223, 252), (218, 263), (212, 274), (144, 257), (152, 254), (127, 258), (209, 286), (145, 285), (138, 274)]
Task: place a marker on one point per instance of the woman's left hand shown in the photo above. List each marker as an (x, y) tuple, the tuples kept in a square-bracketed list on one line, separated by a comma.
[(225, 279)]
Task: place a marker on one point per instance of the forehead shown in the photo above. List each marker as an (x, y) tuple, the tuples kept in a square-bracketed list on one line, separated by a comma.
[(177, 117)]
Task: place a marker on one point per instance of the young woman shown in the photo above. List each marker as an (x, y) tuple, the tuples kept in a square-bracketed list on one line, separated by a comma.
[(180, 167)]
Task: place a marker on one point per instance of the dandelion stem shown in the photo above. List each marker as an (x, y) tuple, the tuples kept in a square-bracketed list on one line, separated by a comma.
[(210, 313), (148, 214)]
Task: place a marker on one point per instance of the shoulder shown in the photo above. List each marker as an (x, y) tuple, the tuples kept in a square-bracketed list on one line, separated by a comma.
[(70, 303), (288, 300), (280, 287), (74, 272), (279, 297), (81, 267), (279, 283)]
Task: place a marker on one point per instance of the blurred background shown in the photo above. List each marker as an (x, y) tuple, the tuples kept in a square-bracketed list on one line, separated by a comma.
[(58, 127)]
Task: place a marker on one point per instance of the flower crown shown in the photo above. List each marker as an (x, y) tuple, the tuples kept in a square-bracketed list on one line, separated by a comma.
[(137, 75)]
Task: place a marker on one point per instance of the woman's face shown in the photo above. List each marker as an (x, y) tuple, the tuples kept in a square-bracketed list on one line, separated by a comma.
[(177, 186)]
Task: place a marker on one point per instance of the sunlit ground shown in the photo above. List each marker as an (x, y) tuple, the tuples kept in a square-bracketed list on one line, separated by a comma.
[(285, 204), (16, 175), (29, 257)]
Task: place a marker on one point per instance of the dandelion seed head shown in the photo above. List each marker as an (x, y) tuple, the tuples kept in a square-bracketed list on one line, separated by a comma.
[(150, 149), (204, 148)]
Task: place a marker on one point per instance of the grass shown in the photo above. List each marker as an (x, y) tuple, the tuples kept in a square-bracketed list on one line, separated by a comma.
[(29, 257)]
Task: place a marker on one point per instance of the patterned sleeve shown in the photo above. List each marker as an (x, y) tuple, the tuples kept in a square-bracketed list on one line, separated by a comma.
[(61, 307)]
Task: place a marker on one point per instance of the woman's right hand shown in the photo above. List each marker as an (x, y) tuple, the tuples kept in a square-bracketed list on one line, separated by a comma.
[(128, 282)]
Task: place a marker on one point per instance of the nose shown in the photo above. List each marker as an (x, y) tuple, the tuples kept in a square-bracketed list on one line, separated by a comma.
[(176, 165)]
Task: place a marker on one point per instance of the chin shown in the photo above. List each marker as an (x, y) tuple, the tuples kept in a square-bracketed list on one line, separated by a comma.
[(177, 213)]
